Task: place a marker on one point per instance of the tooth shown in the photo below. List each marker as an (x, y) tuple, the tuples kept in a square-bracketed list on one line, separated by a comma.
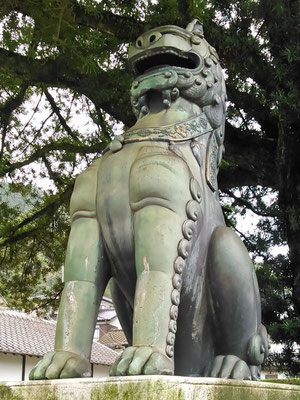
[(144, 110), (167, 103), (142, 101), (166, 95)]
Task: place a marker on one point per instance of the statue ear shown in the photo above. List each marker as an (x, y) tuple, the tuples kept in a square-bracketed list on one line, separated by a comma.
[(195, 27)]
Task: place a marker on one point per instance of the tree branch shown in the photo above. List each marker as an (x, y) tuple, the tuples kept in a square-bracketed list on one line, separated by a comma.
[(53, 175), (7, 109), (20, 236), (251, 105), (48, 302), (49, 209), (56, 109), (231, 177), (250, 156), (244, 203), (59, 73), (102, 124), (59, 146), (14, 102), (98, 19), (246, 52), (108, 22)]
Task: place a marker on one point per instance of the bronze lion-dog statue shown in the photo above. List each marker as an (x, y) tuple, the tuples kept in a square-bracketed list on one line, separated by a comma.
[(146, 215)]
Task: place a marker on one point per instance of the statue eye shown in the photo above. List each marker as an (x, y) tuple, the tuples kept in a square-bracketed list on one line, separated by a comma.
[(195, 39), (152, 38), (139, 43)]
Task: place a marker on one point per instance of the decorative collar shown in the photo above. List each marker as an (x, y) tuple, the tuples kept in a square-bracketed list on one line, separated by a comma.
[(178, 132)]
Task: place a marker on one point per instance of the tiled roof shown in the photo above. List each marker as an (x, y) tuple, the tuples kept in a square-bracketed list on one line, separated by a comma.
[(24, 334), (106, 302), (107, 315), (114, 339)]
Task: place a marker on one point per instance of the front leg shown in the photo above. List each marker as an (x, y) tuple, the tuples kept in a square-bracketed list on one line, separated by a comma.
[(152, 302), (86, 275), (159, 193), (85, 282)]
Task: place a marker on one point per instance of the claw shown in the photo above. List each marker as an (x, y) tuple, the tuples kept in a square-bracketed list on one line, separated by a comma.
[(61, 364), (230, 367), (144, 360)]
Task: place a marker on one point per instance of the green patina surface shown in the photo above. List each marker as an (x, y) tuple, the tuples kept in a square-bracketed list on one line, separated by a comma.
[(147, 210)]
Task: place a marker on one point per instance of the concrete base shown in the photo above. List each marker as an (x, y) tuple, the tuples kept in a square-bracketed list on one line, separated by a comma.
[(147, 388)]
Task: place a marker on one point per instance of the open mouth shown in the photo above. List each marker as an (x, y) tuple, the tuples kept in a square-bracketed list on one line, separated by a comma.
[(159, 58)]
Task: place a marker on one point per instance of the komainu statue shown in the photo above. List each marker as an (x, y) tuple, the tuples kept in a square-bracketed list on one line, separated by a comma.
[(146, 215)]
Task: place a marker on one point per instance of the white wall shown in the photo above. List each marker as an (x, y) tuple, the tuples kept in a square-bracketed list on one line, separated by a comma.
[(10, 367), (101, 371), (266, 375), (29, 364)]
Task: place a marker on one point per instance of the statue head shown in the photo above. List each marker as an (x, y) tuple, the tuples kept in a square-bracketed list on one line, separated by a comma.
[(177, 62)]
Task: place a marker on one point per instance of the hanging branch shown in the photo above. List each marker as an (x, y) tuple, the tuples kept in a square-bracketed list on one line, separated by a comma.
[(244, 203), (49, 209), (59, 146), (6, 111), (53, 175), (56, 109)]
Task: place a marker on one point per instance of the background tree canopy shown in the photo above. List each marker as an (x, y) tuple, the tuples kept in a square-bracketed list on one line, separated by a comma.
[(65, 91)]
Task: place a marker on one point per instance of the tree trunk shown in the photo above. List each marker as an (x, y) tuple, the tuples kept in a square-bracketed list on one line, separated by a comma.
[(288, 152)]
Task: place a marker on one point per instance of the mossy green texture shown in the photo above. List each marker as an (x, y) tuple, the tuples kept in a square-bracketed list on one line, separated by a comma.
[(151, 391), (110, 391), (247, 393), (6, 393), (148, 388), (24, 393), (291, 381)]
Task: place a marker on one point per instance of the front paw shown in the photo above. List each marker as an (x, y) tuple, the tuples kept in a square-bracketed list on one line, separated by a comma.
[(144, 360), (60, 365)]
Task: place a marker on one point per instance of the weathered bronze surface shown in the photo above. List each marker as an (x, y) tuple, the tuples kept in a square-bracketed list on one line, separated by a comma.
[(147, 215)]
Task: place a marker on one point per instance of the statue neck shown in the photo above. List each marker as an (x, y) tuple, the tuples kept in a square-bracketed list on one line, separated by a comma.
[(159, 116)]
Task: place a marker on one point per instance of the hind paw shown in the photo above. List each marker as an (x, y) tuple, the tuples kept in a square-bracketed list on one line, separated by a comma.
[(230, 367)]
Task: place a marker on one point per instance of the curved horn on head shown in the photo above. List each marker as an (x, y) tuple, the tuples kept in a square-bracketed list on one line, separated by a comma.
[(195, 27)]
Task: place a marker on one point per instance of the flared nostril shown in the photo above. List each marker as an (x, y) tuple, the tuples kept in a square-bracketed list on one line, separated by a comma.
[(154, 37), (145, 40), (139, 43)]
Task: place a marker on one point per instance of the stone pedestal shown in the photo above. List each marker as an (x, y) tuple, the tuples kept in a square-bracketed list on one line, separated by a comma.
[(147, 388)]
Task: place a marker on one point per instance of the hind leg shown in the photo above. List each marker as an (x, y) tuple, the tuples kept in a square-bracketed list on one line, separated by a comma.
[(241, 340)]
